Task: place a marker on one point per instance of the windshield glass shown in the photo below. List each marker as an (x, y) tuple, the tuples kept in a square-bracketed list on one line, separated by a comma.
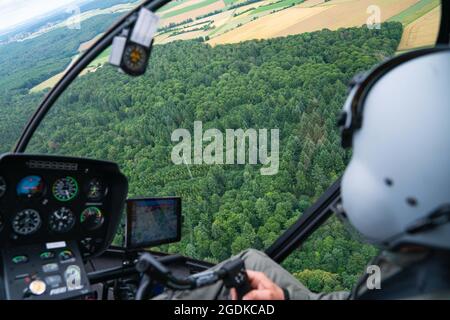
[(38, 41), (236, 113)]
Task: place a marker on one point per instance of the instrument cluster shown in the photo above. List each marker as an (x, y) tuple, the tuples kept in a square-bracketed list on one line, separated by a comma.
[(44, 198), (62, 191)]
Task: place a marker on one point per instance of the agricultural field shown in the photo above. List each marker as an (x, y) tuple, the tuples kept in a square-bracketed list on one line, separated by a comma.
[(300, 19), (189, 7), (190, 10), (421, 32), (98, 62), (266, 27), (277, 5), (231, 21), (86, 45), (49, 83), (236, 21), (416, 11), (420, 23)]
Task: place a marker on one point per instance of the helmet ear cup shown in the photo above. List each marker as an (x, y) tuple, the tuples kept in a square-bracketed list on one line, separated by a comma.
[(364, 200)]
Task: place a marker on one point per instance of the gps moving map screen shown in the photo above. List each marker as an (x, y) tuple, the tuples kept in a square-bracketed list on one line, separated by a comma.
[(153, 221)]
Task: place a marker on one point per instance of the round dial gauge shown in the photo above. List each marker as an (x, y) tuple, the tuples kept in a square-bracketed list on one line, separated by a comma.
[(96, 190), (135, 58), (61, 220), (2, 186), (65, 189), (26, 222), (31, 187), (92, 218)]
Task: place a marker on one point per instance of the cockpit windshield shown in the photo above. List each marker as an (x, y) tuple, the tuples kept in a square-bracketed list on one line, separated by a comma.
[(236, 112)]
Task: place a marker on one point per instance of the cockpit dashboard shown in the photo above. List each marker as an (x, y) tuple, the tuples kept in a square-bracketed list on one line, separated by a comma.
[(55, 212)]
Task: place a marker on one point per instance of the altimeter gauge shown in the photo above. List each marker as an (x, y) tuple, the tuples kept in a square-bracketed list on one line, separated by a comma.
[(26, 222), (61, 220)]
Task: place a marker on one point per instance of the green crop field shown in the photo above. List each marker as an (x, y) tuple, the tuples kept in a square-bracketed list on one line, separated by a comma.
[(189, 8), (277, 5), (416, 11), (171, 5)]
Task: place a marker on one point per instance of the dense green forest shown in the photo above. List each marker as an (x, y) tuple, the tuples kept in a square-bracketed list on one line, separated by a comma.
[(296, 84), (26, 64)]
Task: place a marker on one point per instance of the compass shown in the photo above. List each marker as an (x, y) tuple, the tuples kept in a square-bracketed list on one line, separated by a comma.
[(135, 59)]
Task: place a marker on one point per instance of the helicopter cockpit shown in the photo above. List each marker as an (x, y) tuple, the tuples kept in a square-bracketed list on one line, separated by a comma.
[(127, 178)]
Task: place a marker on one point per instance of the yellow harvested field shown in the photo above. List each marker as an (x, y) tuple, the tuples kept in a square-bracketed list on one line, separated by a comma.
[(422, 32), (266, 27), (310, 3), (331, 15), (348, 13), (220, 18)]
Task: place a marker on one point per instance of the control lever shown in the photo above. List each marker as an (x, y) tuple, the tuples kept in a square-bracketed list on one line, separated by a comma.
[(232, 273), (235, 276)]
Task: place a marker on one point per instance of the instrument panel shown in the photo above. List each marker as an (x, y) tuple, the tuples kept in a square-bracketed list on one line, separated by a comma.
[(48, 198)]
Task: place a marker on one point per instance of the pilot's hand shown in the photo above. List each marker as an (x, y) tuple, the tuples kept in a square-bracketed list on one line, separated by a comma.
[(263, 288)]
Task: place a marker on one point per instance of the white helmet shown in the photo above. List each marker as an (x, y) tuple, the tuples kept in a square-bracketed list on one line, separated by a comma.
[(396, 188)]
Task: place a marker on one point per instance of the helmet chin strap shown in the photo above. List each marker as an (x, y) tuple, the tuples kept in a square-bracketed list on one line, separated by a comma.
[(435, 219)]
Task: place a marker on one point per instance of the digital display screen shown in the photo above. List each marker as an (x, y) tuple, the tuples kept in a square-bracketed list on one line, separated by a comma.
[(153, 221)]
